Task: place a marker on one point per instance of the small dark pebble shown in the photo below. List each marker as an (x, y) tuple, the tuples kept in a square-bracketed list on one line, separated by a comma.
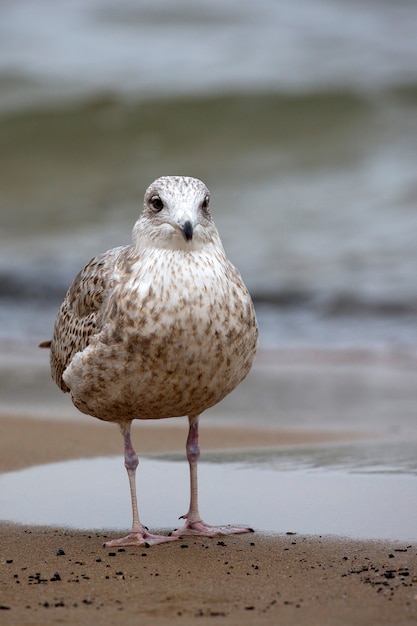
[(391, 556), (184, 545), (4, 607), (400, 550), (60, 552), (98, 560), (121, 550), (252, 543), (56, 576), (249, 608), (9, 561), (290, 532), (112, 553), (221, 543), (346, 558), (143, 554)]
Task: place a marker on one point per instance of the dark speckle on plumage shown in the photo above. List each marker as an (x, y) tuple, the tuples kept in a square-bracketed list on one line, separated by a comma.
[(160, 328)]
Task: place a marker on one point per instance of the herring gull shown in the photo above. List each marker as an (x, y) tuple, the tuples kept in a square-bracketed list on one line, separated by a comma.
[(164, 327)]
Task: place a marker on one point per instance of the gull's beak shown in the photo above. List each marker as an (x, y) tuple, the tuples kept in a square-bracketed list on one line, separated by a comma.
[(187, 230)]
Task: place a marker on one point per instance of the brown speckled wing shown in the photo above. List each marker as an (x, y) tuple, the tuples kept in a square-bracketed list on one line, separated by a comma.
[(79, 317)]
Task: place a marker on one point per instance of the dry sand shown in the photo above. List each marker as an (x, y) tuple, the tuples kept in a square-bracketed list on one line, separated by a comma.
[(51, 575)]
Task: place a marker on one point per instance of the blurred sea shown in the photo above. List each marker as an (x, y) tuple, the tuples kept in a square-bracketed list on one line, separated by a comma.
[(301, 118)]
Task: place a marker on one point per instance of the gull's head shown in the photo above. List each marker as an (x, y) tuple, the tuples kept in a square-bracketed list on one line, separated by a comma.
[(176, 215)]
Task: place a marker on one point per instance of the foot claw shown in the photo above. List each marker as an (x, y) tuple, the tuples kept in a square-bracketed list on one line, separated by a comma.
[(203, 529), (142, 538)]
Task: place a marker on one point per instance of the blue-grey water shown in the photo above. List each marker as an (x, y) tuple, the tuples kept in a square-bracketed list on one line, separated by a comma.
[(267, 497), (301, 119)]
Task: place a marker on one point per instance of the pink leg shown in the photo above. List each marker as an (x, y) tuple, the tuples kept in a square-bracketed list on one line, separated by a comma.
[(139, 534), (194, 525)]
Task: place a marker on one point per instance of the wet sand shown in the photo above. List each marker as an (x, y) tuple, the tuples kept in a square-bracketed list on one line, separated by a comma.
[(52, 575)]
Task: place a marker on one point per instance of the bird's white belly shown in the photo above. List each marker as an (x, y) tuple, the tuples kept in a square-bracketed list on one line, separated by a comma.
[(174, 344)]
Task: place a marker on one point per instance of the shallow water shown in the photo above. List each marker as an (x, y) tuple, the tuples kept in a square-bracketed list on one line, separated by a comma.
[(307, 139), (299, 116), (93, 494)]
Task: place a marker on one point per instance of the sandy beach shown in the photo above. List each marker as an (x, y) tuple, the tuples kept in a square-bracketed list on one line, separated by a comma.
[(301, 120), (51, 575)]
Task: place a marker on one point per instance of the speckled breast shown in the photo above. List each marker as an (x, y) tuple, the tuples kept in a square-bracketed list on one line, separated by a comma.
[(178, 339)]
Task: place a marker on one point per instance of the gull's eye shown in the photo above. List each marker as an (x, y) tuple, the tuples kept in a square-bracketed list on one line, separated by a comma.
[(205, 203), (156, 204)]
